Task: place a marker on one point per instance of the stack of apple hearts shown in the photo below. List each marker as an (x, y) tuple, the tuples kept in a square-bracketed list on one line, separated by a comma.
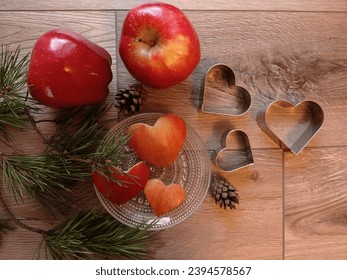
[(160, 145), (67, 70), (159, 45)]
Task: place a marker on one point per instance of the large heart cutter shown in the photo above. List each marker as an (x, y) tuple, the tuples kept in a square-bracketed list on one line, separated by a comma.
[(297, 139), (221, 95), (228, 159)]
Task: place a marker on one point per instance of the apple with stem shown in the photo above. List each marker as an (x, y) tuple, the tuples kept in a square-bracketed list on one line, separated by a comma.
[(159, 45), (67, 70)]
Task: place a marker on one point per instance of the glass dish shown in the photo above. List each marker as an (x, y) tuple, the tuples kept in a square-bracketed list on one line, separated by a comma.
[(191, 169)]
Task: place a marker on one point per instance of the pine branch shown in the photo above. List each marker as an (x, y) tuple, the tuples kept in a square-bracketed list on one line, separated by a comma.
[(74, 117), (41, 177), (111, 151), (12, 71), (79, 132), (95, 235), (79, 146), (80, 142), (13, 105), (89, 142), (71, 155)]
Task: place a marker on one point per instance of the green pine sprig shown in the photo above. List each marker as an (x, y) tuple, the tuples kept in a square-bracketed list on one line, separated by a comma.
[(13, 70), (77, 147), (80, 145), (89, 142), (78, 131), (13, 77), (41, 176), (95, 235)]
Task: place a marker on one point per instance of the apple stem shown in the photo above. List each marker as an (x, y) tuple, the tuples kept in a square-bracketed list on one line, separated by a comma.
[(150, 43)]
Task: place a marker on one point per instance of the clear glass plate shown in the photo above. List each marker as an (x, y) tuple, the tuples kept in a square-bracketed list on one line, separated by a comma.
[(191, 169)]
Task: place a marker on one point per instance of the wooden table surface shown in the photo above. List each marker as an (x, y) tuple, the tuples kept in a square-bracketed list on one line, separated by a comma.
[(291, 206)]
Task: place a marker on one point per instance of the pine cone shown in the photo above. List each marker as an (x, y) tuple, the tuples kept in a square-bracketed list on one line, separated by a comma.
[(224, 193), (130, 100)]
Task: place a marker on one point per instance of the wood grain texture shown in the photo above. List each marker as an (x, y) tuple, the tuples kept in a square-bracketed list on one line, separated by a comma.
[(290, 5), (316, 204), (290, 56), (24, 28), (23, 244), (252, 231)]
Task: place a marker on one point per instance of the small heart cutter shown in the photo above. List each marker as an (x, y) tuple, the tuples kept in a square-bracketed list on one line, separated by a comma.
[(221, 95), (228, 159), (298, 137)]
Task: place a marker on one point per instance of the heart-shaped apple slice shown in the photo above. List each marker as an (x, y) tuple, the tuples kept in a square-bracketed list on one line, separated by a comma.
[(161, 143), (125, 186), (164, 198)]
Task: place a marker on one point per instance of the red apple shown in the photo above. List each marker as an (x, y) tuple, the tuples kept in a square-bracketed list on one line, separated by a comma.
[(125, 186), (67, 70), (164, 198), (161, 143), (158, 45)]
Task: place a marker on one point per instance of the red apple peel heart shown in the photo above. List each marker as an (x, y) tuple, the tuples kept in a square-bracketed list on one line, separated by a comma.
[(161, 143), (131, 183), (164, 199)]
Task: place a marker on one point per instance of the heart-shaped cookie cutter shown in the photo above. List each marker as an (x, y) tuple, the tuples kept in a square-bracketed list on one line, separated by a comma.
[(221, 95), (228, 159), (299, 139)]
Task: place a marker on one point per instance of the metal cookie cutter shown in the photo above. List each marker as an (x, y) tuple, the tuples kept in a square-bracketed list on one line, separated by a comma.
[(304, 119), (230, 158), (221, 95)]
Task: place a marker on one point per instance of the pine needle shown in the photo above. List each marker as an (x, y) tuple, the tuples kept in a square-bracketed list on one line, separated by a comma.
[(13, 106), (93, 235), (80, 142), (112, 149), (74, 117), (78, 147), (79, 131), (88, 142), (41, 176)]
